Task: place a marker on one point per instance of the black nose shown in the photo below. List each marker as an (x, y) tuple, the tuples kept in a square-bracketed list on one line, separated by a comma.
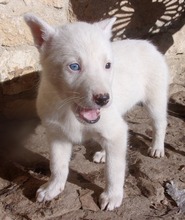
[(101, 99)]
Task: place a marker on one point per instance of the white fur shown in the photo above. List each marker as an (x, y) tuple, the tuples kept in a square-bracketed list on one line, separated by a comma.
[(138, 74)]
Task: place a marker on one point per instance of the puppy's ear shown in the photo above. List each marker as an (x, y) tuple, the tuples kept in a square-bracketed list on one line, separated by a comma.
[(106, 25), (41, 31)]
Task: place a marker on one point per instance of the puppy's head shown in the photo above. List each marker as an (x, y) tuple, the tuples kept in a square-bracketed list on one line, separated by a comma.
[(77, 59)]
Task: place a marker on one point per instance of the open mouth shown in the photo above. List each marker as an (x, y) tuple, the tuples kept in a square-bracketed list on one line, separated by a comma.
[(89, 115)]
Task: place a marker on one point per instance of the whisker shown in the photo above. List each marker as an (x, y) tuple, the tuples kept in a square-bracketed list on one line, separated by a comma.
[(76, 97), (70, 99), (67, 101), (83, 101), (73, 92)]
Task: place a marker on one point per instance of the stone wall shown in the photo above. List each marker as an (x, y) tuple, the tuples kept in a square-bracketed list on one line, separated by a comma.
[(17, 51), (161, 21)]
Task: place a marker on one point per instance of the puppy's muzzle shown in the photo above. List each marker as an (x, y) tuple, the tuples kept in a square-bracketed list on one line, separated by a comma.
[(101, 99)]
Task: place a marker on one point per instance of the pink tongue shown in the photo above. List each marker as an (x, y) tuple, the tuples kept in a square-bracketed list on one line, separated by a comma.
[(90, 114)]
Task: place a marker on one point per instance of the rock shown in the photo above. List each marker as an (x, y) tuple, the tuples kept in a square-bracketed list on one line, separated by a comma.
[(175, 57), (4, 2), (3, 183), (16, 50), (177, 104), (87, 200), (25, 80), (176, 194), (174, 88), (3, 215), (178, 47), (151, 190), (176, 68), (18, 62), (14, 31), (56, 3), (178, 98)]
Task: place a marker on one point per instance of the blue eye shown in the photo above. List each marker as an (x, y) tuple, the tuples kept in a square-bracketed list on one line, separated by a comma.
[(74, 66)]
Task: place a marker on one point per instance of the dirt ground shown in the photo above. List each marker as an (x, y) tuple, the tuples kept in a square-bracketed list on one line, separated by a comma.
[(24, 166)]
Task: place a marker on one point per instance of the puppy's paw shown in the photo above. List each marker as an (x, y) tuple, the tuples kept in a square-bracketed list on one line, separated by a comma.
[(110, 202), (99, 157), (48, 191), (156, 152)]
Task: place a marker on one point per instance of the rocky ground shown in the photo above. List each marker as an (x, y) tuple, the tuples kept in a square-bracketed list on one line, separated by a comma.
[(24, 166)]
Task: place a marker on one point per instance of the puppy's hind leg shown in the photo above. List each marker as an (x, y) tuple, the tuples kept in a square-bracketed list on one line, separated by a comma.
[(99, 156), (158, 111)]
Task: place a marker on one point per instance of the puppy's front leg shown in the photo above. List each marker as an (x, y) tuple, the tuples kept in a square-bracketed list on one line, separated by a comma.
[(60, 152), (115, 170)]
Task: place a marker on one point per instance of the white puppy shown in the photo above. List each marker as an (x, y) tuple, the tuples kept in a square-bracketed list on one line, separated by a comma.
[(87, 85)]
